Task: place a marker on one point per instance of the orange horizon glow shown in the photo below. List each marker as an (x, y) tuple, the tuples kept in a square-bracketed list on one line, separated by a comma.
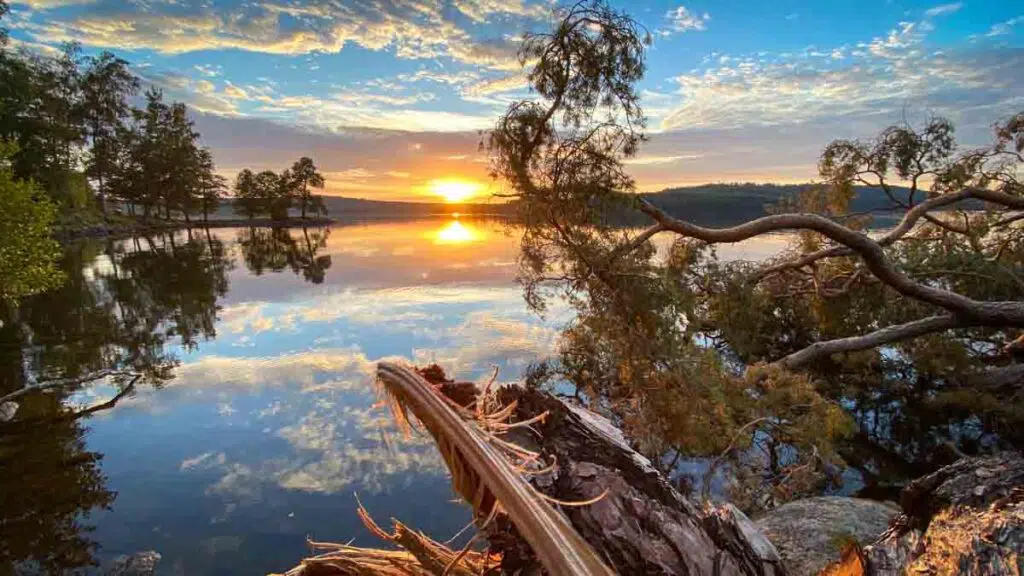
[(454, 190)]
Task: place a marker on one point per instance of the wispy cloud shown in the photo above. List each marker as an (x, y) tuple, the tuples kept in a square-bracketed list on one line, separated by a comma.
[(848, 81), (1006, 27), (647, 160), (682, 19), (943, 9), (409, 31)]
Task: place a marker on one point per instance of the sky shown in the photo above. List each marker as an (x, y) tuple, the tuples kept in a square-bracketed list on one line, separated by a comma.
[(390, 96)]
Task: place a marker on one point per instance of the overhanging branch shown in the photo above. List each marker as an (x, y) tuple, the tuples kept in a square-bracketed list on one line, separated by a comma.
[(1009, 313), (906, 224), (881, 337)]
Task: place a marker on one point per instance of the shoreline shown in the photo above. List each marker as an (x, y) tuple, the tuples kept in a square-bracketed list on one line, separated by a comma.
[(129, 228), (118, 229)]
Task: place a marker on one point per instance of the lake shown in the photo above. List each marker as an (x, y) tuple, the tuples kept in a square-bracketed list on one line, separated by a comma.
[(253, 422)]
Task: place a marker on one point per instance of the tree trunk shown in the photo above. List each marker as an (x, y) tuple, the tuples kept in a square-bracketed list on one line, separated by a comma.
[(102, 195), (642, 525)]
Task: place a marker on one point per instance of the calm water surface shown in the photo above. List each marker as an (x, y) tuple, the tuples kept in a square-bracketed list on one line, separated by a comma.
[(253, 423)]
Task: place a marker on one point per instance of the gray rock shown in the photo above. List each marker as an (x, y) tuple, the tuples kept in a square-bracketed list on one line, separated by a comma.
[(138, 564), (8, 410), (810, 533)]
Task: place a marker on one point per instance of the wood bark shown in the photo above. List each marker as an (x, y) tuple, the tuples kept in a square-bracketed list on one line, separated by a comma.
[(966, 518), (641, 525)]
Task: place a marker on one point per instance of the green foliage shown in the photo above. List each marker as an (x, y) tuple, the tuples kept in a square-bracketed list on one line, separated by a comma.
[(248, 202), (275, 194), (683, 348), (27, 250), (107, 84), (79, 137), (3, 31)]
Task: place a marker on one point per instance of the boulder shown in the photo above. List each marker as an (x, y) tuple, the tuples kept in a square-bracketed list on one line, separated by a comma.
[(811, 533)]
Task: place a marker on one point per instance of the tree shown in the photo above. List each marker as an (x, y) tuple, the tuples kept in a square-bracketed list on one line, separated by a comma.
[(247, 197), (211, 186), (107, 84), (270, 189), (27, 251), (305, 175), (705, 357), (279, 190)]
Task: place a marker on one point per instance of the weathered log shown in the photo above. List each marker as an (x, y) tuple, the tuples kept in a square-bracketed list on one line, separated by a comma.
[(641, 525), (966, 518)]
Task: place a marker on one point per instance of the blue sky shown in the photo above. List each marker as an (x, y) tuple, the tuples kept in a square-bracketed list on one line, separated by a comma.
[(389, 95)]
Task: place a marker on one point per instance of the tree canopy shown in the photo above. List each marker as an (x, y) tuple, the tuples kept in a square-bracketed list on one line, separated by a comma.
[(82, 142), (272, 194), (771, 366)]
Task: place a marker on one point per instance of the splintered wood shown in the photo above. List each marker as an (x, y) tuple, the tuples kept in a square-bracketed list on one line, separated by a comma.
[(486, 470)]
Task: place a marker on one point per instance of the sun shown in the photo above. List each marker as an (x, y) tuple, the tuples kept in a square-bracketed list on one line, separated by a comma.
[(453, 190)]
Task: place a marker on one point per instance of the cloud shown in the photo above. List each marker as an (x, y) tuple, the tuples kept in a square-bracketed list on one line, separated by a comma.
[(682, 19), (409, 30), (347, 110), (1006, 27), (879, 77), (943, 9), (234, 92), (509, 83), (200, 94), (209, 70), (482, 10), (51, 4), (644, 160)]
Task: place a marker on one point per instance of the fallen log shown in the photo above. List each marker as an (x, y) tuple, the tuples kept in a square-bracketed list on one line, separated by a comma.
[(588, 489), (638, 523), (643, 525)]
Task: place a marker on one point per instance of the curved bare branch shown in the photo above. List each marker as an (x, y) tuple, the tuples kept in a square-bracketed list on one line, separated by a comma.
[(880, 337), (906, 224), (1009, 313)]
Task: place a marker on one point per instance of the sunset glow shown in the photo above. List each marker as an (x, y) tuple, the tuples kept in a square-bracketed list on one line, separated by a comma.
[(454, 191)]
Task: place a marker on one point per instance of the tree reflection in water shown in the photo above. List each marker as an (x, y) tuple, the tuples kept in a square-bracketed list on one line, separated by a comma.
[(115, 320), (274, 249)]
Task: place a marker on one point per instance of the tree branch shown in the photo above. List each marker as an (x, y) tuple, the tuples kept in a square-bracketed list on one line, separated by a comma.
[(1008, 313), (887, 335), (906, 224)]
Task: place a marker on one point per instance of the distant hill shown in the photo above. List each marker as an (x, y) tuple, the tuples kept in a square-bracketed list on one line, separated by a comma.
[(707, 205), (731, 204), (339, 207), (342, 208)]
